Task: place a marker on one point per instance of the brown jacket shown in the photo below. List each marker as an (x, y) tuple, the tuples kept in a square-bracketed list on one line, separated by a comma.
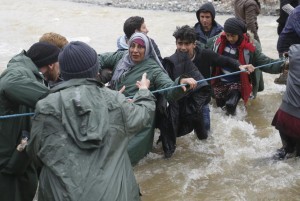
[(248, 10)]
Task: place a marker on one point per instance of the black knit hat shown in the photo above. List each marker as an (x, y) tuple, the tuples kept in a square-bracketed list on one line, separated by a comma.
[(234, 25), (207, 7), (43, 54), (78, 60)]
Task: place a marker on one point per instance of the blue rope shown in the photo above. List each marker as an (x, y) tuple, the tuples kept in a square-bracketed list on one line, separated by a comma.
[(16, 115), (211, 78), (161, 90)]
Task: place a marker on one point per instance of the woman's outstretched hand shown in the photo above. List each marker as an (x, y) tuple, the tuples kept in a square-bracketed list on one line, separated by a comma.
[(144, 83)]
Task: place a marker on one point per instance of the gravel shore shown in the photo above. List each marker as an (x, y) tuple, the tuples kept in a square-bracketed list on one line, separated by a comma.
[(268, 7)]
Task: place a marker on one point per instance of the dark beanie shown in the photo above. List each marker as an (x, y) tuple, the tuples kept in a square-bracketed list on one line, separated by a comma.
[(78, 60), (234, 25), (207, 7), (43, 54)]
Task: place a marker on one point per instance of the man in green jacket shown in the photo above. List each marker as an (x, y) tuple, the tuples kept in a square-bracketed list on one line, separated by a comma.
[(81, 130), (21, 86)]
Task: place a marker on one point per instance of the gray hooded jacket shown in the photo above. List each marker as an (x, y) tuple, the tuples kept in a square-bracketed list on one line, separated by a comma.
[(291, 99)]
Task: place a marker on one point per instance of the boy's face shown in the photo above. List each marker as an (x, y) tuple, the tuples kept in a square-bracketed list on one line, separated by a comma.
[(206, 20), (143, 29), (186, 46)]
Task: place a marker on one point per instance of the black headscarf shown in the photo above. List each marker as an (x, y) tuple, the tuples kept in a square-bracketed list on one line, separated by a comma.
[(235, 26)]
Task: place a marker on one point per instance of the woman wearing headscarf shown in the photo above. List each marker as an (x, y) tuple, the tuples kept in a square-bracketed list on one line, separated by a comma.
[(287, 118), (236, 43), (128, 67)]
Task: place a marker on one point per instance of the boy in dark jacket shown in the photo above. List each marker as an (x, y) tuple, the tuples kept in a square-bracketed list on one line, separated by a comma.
[(206, 27), (192, 111), (131, 25)]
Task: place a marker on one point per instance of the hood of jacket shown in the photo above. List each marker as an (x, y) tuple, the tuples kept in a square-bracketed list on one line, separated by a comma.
[(22, 61), (83, 116), (207, 7)]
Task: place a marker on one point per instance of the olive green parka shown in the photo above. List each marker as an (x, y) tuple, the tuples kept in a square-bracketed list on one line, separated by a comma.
[(21, 86), (80, 135)]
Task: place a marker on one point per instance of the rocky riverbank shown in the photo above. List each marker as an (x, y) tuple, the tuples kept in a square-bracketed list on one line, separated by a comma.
[(268, 7)]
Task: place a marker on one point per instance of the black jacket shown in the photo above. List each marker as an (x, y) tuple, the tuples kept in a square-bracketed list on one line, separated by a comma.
[(180, 115), (205, 59)]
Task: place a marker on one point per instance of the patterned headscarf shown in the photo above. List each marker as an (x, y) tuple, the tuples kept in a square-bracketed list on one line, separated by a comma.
[(126, 63)]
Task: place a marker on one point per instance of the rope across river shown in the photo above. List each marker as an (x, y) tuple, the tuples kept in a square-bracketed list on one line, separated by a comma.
[(161, 90)]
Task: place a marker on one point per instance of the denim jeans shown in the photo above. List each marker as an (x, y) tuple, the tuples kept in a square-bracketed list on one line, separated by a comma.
[(206, 116)]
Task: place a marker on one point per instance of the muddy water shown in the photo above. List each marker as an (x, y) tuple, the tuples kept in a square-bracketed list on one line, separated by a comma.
[(232, 164)]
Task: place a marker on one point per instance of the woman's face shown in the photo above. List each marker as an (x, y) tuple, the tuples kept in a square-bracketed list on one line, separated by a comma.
[(137, 52), (232, 38)]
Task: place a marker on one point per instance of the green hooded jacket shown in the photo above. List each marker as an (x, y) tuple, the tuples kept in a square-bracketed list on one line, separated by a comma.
[(80, 135), (21, 86)]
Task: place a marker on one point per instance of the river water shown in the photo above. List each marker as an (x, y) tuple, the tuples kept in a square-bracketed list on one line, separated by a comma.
[(234, 163)]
